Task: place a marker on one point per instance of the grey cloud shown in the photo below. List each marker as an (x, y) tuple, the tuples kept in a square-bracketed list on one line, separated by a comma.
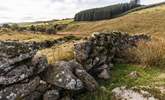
[(2, 8), (27, 18), (4, 17)]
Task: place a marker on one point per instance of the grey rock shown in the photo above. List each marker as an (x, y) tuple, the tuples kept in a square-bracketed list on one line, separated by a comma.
[(19, 91), (88, 81), (82, 51), (60, 74), (20, 73), (24, 70), (70, 75), (40, 62), (104, 74), (19, 70)]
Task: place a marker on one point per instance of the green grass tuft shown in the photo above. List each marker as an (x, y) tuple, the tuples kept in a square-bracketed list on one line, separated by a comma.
[(120, 77)]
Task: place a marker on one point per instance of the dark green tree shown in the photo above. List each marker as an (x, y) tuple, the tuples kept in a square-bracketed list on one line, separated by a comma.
[(6, 26), (33, 28), (105, 12)]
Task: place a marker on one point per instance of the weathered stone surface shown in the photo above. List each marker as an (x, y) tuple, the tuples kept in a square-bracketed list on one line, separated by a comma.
[(70, 75), (40, 62), (82, 51), (24, 70), (51, 95), (11, 53), (89, 82), (16, 75), (16, 64), (19, 70), (61, 75), (20, 90)]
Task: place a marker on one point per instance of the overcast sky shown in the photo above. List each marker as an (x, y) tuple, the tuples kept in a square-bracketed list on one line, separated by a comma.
[(33, 10)]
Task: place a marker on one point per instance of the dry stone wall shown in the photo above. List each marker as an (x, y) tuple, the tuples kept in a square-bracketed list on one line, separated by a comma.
[(98, 53), (25, 75)]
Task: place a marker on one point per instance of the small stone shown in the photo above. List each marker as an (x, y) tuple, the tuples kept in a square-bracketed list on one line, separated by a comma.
[(134, 75), (104, 74)]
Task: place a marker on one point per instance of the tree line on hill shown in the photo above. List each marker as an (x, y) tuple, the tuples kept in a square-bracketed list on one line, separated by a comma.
[(49, 29), (106, 12)]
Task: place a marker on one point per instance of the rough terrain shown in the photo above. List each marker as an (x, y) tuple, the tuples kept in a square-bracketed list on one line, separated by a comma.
[(26, 75)]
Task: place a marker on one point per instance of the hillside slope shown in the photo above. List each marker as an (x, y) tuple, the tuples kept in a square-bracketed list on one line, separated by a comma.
[(151, 20)]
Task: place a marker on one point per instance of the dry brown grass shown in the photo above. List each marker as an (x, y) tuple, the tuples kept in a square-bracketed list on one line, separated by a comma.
[(151, 20), (26, 37), (61, 52), (150, 53)]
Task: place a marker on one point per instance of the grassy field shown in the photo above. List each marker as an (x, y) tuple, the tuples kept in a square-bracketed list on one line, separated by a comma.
[(27, 37), (151, 21), (64, 21)]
